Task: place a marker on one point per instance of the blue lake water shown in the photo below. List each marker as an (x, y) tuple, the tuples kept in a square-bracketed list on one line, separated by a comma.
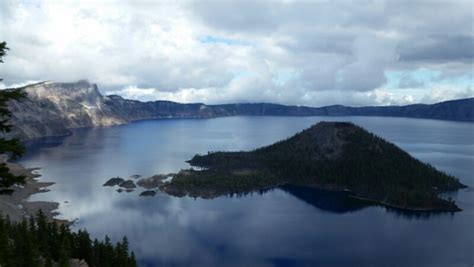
[(282, 227)]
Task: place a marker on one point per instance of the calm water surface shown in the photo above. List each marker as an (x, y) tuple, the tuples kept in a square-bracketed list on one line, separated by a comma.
[(283, 227)]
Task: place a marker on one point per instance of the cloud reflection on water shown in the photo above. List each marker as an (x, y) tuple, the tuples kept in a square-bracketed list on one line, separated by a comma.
[(276, 228)]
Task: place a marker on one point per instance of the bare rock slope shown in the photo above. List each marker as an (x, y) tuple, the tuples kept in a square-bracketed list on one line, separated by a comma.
[(51, 109)]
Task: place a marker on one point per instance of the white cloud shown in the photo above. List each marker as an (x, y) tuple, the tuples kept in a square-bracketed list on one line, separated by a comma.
[(135, 93), (16, 85), (309, 53), (446, 92)]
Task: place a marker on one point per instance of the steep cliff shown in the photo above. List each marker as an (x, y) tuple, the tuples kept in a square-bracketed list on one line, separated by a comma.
[(52, 108)]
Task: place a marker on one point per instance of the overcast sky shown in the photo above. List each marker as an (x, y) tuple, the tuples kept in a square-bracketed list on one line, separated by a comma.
[(291, 52)]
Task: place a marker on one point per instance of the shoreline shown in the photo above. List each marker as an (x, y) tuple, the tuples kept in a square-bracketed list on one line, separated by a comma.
[(374, 201), (406, 209), (71, 130), (210, 192), (17, 204)]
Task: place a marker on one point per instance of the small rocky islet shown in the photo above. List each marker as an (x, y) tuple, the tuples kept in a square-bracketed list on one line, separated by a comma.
[(154, 181), (148, 193), (113, 181), (128, 184), (148, 183)]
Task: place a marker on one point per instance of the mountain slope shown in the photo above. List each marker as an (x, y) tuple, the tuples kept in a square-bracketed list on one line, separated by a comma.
[(336, 156), (51, 109)]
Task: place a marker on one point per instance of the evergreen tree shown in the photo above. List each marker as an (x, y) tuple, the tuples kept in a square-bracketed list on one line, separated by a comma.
[(6, 253), (37, 242), (64, 251), (10, 147)]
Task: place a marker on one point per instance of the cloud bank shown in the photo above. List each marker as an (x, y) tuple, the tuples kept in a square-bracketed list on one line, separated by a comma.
[(291, 52)]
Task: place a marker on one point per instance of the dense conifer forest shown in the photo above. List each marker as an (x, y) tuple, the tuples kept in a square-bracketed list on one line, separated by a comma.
[(37, 242)]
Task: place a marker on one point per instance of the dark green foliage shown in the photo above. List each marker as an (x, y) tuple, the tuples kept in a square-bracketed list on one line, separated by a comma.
[(3, 51), (36, 242), (10, 147), (334, 156), (212, 183)]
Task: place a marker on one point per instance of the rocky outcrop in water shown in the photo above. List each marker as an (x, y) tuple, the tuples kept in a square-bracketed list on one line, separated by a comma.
[(128, 184), (114, 181), (148, 193), (52, 109), (153, 181)]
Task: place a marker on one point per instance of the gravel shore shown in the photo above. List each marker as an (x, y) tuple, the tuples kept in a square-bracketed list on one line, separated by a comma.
[(16, 205)]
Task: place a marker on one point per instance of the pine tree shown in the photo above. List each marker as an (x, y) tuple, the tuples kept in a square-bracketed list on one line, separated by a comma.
[(37, 242), (83, 246), (10, 147), (5, 248), (133, 261), (65, 249)]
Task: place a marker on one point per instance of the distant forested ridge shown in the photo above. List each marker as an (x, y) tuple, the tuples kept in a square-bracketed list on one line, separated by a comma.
[(337, 156), (52, 109), (37, 242)]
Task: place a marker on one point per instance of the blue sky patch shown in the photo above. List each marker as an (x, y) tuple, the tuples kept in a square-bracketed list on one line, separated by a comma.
[(210, 39)]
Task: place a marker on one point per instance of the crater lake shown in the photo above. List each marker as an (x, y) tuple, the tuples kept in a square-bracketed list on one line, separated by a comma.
[(287, 226)]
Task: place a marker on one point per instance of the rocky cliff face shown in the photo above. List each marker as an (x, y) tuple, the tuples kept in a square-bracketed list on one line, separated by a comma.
[(51, 109)]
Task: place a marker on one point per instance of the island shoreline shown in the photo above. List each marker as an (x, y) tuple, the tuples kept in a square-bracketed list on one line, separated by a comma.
[(373, 202)]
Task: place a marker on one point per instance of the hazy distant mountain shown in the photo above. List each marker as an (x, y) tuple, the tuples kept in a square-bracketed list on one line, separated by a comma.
[(51, 109)]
